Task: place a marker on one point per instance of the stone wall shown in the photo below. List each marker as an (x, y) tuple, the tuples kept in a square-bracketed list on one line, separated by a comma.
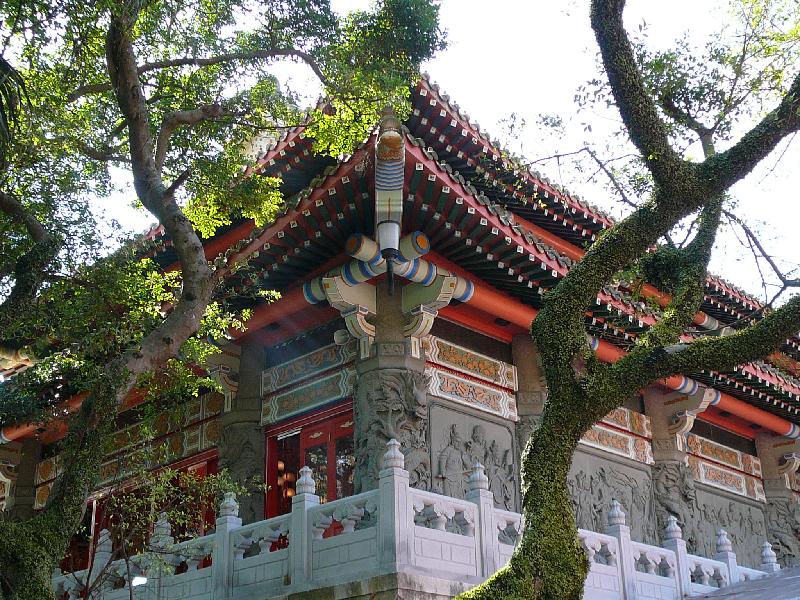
[(649, 494), (464, 409)]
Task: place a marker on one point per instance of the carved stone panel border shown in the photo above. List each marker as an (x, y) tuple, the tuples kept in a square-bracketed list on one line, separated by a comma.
[(484, 397), (480, 366)]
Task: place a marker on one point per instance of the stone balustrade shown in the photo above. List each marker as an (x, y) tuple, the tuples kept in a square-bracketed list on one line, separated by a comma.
[(393, 529)]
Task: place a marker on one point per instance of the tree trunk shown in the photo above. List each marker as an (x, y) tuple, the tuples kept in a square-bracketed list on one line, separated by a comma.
[(549, 562), (31, 549)]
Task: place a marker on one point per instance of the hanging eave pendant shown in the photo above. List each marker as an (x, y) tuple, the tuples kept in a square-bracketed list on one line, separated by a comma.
[(390, 156)]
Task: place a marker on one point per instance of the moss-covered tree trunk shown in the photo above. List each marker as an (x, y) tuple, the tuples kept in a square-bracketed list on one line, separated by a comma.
[(31, 549), (549, 563)]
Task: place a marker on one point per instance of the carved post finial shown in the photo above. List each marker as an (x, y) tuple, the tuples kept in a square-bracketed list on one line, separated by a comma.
[(306, 484), (393, 458), (162, 527), (162, 532), (769, 560), (616, 516), (229, 507), (723, 543), (672, 531), (104, 543), (477, 478)]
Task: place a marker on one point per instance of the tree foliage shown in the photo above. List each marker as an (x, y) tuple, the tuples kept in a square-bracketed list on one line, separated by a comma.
[(173, 94)]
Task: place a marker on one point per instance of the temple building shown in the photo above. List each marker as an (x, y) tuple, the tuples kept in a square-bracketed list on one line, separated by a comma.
[(409, 273)]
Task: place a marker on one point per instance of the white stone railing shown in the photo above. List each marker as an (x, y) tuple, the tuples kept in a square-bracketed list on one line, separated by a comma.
[(393, 529)]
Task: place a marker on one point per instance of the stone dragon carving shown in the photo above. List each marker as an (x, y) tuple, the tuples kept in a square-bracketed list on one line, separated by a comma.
[(241, 453), (391, 403)]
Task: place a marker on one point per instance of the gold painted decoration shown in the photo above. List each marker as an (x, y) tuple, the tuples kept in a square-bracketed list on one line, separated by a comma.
[(480, 366), (485, 397)]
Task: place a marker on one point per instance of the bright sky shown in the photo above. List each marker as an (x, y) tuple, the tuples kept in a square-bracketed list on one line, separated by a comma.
[(529, 57)]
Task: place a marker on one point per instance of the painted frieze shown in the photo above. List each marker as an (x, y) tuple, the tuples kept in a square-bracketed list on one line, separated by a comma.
[(179, 433), (725, 468), (623, 432), (306, 366), (481, 396), (294, 400), (457, 358)]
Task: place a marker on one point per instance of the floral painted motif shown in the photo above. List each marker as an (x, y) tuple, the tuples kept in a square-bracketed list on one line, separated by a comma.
[(473, 364)]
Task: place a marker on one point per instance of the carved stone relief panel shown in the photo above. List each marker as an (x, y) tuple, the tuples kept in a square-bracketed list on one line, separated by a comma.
[(241, 452), (783, 529), (595, 480), (391, 403), (743, 520), (701, 511), (459, 440)]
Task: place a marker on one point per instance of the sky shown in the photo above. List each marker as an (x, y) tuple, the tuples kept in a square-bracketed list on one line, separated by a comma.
[(528, 58)]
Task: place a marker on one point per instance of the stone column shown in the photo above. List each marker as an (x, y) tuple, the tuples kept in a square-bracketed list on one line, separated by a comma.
[(673, 483), (241, 445), (531, 387), (780, 458), (24, 495), (391, 398)]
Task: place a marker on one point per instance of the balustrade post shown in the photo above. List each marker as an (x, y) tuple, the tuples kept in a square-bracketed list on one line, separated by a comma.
[(100, 561), (154, 564), (725, 554), (625, 562), (300, 536), (673, 540), (394, 511), (769, 561), (486, 543), (222, 552)]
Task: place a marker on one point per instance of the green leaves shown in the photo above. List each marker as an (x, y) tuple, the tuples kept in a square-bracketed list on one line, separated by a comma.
[(12, 91)]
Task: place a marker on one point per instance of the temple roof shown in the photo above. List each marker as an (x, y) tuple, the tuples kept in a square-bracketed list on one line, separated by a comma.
[(511, 228)]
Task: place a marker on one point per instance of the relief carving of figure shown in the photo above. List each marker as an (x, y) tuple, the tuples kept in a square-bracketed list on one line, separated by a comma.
[(592, 494), (453, 466), (676, 495), (476, 446), (456, 457), (391, 403), (500, 468)]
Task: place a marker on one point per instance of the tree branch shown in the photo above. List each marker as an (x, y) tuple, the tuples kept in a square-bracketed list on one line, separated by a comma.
[(722, 170), (14, 209), (165, 341), (705, 134), (787, 282), (29, 269), (646, 129), (726, 352), (266, 54), (175, 119)]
